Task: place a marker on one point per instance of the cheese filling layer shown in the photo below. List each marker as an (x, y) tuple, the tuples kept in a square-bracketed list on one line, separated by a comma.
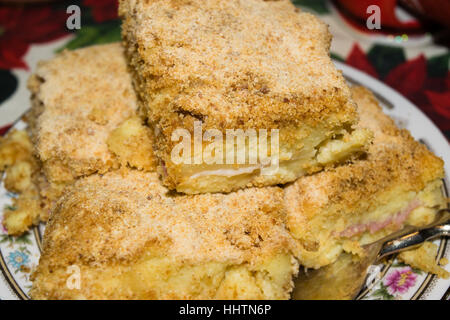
[(310, 158)]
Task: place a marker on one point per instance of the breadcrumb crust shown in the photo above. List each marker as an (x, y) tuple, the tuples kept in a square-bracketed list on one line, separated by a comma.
[(232, 64), (78, 98), (118, 218), (395, 162), (20, 173), (424, 258)]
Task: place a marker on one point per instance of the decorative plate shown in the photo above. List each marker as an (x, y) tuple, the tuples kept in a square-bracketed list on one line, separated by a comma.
[(19, 255)]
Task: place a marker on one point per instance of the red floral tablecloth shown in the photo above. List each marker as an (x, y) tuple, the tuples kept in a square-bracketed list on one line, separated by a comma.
[(34, 32)]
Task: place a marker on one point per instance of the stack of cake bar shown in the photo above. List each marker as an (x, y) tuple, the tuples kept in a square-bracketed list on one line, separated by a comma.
[(100, 167)]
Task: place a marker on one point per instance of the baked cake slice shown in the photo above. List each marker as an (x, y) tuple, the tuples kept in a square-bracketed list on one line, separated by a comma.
[(219, 66), (122, 235), (78, 98), (82, 121), (398, 183)]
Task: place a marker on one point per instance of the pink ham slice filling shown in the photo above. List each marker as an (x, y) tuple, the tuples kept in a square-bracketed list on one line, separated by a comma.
[(396, 220)]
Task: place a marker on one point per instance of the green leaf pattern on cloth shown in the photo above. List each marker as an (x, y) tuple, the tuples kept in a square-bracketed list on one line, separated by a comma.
[(438, 66), (95, 34), (385, 58), (93, 29), (318, 6)]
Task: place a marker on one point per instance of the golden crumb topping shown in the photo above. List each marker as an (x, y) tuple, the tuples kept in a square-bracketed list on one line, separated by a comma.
[(233, 64), (341, 207), (117, 217), (20, 169), (78, 98), (424, 258), (394, 158), (14, 147)]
